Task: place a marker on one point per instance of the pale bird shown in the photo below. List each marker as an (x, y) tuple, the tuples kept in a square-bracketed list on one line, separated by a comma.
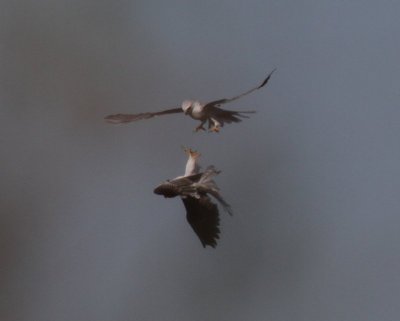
[(211, 111), (194, 189)]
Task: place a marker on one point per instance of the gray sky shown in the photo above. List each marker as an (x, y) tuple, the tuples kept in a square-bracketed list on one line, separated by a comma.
[(313, 177)]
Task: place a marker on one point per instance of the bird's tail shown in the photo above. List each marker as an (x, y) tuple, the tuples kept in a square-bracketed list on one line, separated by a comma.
[(230, 116), (243, 113)]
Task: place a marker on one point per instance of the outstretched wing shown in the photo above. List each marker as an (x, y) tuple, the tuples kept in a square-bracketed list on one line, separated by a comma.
[(127, 118), (217, 103), (203, 217)]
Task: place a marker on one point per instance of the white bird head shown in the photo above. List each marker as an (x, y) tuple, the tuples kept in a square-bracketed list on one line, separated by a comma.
[(186, 106)]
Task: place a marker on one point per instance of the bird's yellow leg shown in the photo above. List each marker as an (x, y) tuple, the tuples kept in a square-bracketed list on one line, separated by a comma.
[(200, 127), (214, 125), (215, 129)]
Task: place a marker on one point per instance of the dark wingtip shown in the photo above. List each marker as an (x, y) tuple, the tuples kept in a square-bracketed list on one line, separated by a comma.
[(210, 242), (213, 245), (114, 119), (266, 79), (108, 117)]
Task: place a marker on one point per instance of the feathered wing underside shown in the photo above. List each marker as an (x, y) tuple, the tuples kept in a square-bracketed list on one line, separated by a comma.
[(127, 118), (227, 116), (203, 217)]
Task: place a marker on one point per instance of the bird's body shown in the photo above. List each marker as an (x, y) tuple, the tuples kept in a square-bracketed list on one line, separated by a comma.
[(196, 109), (194, 190), (211, 112)]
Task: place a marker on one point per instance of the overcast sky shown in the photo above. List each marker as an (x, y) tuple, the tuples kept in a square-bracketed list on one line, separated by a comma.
[(313, 177)]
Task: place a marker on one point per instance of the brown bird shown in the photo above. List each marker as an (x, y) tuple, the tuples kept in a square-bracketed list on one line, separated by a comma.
[(194, 190)]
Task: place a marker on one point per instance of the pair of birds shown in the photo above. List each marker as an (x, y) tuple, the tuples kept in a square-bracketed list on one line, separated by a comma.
[(194, 187)]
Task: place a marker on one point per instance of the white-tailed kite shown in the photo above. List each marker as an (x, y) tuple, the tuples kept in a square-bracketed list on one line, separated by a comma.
[(201, 213), (210, 112)]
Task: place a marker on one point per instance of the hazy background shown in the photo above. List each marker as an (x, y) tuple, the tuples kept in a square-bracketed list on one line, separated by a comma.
[(313, 177)]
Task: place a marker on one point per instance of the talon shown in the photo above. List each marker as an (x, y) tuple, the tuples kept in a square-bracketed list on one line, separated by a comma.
[(198, 128), (215, 129), (191, 153)]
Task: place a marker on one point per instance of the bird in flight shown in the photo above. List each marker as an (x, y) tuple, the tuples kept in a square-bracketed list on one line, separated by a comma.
[(194, 189), (211, 112)]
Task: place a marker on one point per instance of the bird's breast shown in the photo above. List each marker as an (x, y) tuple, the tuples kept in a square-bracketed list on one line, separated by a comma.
[(197, 111)]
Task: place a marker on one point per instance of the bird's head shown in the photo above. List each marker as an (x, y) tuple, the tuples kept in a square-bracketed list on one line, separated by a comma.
[(167, 190), (187, 106)]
